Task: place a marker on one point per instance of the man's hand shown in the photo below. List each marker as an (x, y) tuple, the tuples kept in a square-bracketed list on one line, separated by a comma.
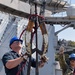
[(61, 49), (44, 58), (25, 56)]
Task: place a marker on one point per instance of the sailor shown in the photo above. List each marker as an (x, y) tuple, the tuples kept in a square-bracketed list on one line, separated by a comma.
[(67, 68), (14, 62)]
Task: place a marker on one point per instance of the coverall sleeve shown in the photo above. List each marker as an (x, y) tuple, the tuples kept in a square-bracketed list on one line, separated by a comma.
[(63, 64)]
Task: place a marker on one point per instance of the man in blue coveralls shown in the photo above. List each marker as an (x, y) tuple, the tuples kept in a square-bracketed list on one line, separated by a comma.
[(14, 60)]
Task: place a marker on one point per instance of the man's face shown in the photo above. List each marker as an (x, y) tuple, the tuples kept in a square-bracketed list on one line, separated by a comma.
[(16, 45), (72, 62)]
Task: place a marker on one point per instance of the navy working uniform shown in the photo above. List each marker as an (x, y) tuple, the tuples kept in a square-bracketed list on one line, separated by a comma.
[(12, 55), (66, 68)]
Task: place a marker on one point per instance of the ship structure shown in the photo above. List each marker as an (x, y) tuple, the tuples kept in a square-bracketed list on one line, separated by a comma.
[(14, 18)]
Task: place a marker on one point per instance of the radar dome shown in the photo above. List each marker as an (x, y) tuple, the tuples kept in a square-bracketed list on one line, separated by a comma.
[(71, 10)]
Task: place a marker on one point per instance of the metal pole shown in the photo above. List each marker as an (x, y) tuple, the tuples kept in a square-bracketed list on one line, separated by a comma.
[(36, 26)]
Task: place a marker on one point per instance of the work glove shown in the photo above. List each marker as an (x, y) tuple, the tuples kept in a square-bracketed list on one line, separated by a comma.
[(44, 58), (61, 49), (25, 56)]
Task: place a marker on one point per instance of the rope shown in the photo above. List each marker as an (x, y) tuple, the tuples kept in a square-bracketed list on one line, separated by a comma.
[(21, 69)]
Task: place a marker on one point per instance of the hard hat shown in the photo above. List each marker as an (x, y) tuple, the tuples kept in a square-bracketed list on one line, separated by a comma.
[(15, 39), (72, 56)]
